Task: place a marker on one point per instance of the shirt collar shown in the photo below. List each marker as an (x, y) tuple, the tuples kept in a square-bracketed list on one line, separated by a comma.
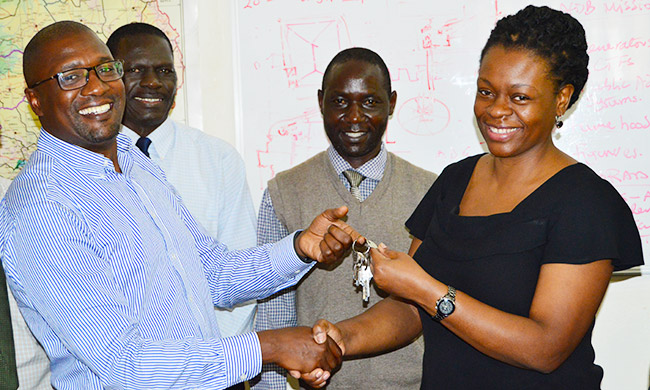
[(373, 169), (161, 138), (84, 160)]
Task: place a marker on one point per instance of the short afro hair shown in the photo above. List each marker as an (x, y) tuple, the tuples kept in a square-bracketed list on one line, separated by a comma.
[(133, 29), (363, 55), (55, 31), (551, 34)]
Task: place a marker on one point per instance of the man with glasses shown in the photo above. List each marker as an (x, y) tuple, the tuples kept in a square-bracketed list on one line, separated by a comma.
[(32, 364), (112, 273), (208, 173)]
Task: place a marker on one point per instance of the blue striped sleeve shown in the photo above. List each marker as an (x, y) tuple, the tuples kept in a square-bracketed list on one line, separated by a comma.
[(243, 357), (242, 275), (73, 288)]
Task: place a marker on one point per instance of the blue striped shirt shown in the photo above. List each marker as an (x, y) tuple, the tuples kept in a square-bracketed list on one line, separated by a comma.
[(117, 280), (210, 176)]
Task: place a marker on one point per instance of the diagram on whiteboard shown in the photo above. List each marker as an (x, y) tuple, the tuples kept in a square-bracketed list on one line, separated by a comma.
[(305, 47), (423, 116)]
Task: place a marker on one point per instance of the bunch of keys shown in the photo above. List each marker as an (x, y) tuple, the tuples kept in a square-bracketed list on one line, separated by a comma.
[(361, 267)]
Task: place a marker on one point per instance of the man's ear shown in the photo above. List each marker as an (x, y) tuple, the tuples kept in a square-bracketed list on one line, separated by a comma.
[(34, 101), (320, 101), (392, 101)]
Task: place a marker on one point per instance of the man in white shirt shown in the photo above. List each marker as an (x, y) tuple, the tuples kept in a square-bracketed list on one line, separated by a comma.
[(207, 172)]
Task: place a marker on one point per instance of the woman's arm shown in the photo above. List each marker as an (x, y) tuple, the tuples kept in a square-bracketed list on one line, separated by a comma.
[(564, 305), (388, 325)]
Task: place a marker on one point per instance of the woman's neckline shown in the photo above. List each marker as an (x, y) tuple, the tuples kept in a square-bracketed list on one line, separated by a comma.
[(552, 178)]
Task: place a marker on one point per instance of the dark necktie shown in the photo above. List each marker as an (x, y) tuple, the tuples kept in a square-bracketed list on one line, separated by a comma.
[(355, 178), (143, 144), (8, 375)]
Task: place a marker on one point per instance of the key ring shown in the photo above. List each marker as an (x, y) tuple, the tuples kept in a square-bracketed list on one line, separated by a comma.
[(365, 254)]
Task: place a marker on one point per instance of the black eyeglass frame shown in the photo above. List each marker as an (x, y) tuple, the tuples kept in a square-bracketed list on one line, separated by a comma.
[(87, 69)]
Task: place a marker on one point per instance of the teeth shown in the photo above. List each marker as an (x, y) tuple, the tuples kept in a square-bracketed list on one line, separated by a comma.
[(355, 134), (148, 100), (503, 131), (96, 110)]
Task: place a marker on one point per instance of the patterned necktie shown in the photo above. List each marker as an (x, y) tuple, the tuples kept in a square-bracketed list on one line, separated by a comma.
[(8, 375), (355, 178), (143, 144)]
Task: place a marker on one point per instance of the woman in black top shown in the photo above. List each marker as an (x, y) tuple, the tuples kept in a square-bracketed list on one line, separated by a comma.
[(527, 236)]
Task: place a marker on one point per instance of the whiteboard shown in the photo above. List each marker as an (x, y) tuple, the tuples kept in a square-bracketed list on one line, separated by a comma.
[(432, 52)]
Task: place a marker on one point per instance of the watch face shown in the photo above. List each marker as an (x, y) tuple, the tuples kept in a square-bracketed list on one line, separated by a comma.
[(446, 307)]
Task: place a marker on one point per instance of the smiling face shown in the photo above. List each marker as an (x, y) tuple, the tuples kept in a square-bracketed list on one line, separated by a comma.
[(88, 117), (355, 107), (516, 102), (149, 80)]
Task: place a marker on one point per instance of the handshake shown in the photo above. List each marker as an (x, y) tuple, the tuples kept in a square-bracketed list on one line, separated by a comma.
[(310, 354)]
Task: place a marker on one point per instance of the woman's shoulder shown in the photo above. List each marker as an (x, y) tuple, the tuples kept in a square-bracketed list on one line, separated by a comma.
[(466, 163), (579, 183), (590, 220), (461, 168)]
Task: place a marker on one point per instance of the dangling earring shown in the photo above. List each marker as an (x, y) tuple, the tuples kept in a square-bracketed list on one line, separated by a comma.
[(558, 122)]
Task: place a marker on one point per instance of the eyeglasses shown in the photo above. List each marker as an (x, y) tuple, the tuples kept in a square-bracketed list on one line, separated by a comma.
[(78, 77)]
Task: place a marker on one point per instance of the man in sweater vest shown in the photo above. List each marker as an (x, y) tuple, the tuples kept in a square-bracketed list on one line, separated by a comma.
[(356, 101)]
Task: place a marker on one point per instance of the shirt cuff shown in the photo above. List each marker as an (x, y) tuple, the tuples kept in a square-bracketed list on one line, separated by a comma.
[(305, 259), (243, 357), (286, 261)]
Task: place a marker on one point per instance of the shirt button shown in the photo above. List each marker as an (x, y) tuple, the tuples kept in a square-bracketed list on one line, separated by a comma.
[(242, 377)]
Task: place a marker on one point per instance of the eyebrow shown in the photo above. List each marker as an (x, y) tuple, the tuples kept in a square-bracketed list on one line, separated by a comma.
[(367, 93), (76, 64), (511, 86)]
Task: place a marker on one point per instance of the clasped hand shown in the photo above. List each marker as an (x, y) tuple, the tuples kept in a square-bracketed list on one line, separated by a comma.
[(296, 350)]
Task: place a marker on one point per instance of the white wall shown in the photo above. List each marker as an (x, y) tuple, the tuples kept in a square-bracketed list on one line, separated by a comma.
[(217, 93), (622, 332)]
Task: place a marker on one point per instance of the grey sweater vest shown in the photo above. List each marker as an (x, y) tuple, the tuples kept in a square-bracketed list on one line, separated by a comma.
[(301, 193)]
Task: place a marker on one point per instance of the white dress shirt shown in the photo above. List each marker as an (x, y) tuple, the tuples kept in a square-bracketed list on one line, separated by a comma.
[(210, 177)]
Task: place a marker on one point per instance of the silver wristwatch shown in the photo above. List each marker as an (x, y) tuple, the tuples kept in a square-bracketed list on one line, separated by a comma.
[(446, 304)]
